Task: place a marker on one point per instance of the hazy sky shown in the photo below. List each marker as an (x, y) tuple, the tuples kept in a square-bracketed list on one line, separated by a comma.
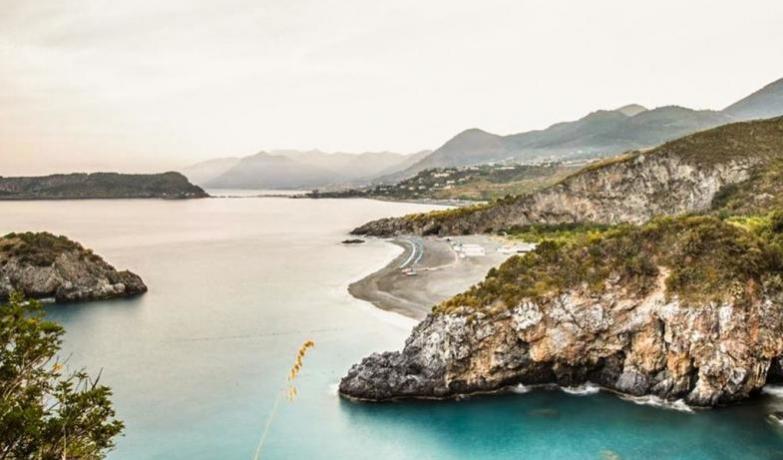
[(148, 85)]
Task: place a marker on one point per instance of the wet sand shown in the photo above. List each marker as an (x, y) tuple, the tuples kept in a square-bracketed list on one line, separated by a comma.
[(443, 267)]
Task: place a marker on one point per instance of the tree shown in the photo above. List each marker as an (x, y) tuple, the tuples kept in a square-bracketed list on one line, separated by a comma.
[(47, 412)]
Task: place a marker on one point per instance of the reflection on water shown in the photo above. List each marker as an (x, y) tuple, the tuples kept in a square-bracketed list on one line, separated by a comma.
[(236, 286)]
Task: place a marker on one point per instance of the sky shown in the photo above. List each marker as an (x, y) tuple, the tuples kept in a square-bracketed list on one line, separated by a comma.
[(152, 85)]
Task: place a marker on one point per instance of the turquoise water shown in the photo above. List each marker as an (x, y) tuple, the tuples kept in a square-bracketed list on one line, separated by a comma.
[(236, 285)]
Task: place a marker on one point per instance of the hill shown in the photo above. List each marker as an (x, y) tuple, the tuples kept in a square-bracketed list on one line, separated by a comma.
[(764, 103), (602, 133), (98, 185), (204, 171), (468, 183), (733, 169), (683, 308), (293, 169)]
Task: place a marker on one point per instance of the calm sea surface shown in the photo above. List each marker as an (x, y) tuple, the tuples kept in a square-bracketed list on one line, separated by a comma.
[(236, 285)]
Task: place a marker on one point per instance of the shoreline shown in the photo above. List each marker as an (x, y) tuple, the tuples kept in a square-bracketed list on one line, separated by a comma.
[(429, 271)]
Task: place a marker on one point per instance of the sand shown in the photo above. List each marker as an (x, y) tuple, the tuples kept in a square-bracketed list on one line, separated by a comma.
[(443, 268)]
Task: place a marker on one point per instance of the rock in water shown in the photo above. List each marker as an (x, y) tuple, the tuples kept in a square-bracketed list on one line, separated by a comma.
[(686, 308), (42, 265)]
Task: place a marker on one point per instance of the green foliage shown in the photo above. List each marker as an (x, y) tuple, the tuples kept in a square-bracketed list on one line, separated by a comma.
[(762, 192), (446, 214), (561, 233), (99, 185), (706, 258), (46, 413), (40, 249), (470, 183)]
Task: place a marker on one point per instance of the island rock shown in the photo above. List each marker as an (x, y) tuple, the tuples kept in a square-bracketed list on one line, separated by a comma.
[(41, 265)]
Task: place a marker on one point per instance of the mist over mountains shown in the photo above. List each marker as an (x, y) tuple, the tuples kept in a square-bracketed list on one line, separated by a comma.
[(599, 134), (293, 169)]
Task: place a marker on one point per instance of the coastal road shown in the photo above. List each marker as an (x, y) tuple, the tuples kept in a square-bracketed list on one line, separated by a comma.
[(416, 251)]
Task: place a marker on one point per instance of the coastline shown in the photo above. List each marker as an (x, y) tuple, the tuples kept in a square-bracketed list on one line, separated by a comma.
[(428, 271)]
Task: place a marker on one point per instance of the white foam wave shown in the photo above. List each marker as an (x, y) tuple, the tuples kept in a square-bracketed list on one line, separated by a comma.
[(334, 389), (655, 401), (773, 390), (582, 390), (520, 389)]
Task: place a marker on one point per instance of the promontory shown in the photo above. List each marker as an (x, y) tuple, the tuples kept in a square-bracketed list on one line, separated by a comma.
[(42, 265), (656, 273), (171, 185)]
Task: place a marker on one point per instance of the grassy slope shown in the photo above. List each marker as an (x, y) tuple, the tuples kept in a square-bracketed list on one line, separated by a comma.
[(39, 249), (709, 259), (762, 193)]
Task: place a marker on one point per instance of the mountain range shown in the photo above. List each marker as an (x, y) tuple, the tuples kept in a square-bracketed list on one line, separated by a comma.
[(735, 169), (602, 133), (292, 169)]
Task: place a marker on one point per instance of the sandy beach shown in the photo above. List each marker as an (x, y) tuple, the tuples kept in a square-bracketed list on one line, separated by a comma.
[(430, 270)]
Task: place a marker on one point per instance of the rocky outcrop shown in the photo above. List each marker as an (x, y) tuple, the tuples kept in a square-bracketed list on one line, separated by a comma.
[(680, 177), (682, 308), (706, 354), (41, 265)]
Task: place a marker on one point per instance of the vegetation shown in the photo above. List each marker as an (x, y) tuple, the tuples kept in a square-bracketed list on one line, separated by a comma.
[(762, 139), (559, 233), (470, 183), (39, 249), (291, 392), (99, 185), (46, 412), (762, 192), (706, 258), (446, 214)]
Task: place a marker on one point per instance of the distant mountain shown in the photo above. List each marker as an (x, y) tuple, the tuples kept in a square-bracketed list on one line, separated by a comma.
[(205, 171), (98, 185), (764, 103), (600, 134), (265, 171), (631, 109), (293, 169), (735, 169)]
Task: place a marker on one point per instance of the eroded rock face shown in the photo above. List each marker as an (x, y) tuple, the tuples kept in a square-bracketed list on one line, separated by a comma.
[(705, 354), (73, 275), (630, 191)]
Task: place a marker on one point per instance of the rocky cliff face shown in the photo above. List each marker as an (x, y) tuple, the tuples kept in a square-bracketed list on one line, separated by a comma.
[(683, 176), (683, 308), (706, 354), (44, 266)]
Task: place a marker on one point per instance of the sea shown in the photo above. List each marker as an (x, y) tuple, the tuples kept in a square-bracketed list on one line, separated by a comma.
[(199, 365)]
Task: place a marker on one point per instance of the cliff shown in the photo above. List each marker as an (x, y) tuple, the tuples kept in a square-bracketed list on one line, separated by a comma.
[(682, 308), (99, 185), (734, 168), (42, 265)]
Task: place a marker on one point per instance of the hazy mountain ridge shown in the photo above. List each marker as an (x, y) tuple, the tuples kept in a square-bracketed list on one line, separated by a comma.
[(737, 168), (602, 133), (599, 134), (294, 169)]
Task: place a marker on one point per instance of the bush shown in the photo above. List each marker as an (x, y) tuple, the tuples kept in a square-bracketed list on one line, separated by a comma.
[(45, 412), (707, 259)]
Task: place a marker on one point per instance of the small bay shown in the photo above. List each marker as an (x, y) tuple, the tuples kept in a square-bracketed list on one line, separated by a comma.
[(237, 285)]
